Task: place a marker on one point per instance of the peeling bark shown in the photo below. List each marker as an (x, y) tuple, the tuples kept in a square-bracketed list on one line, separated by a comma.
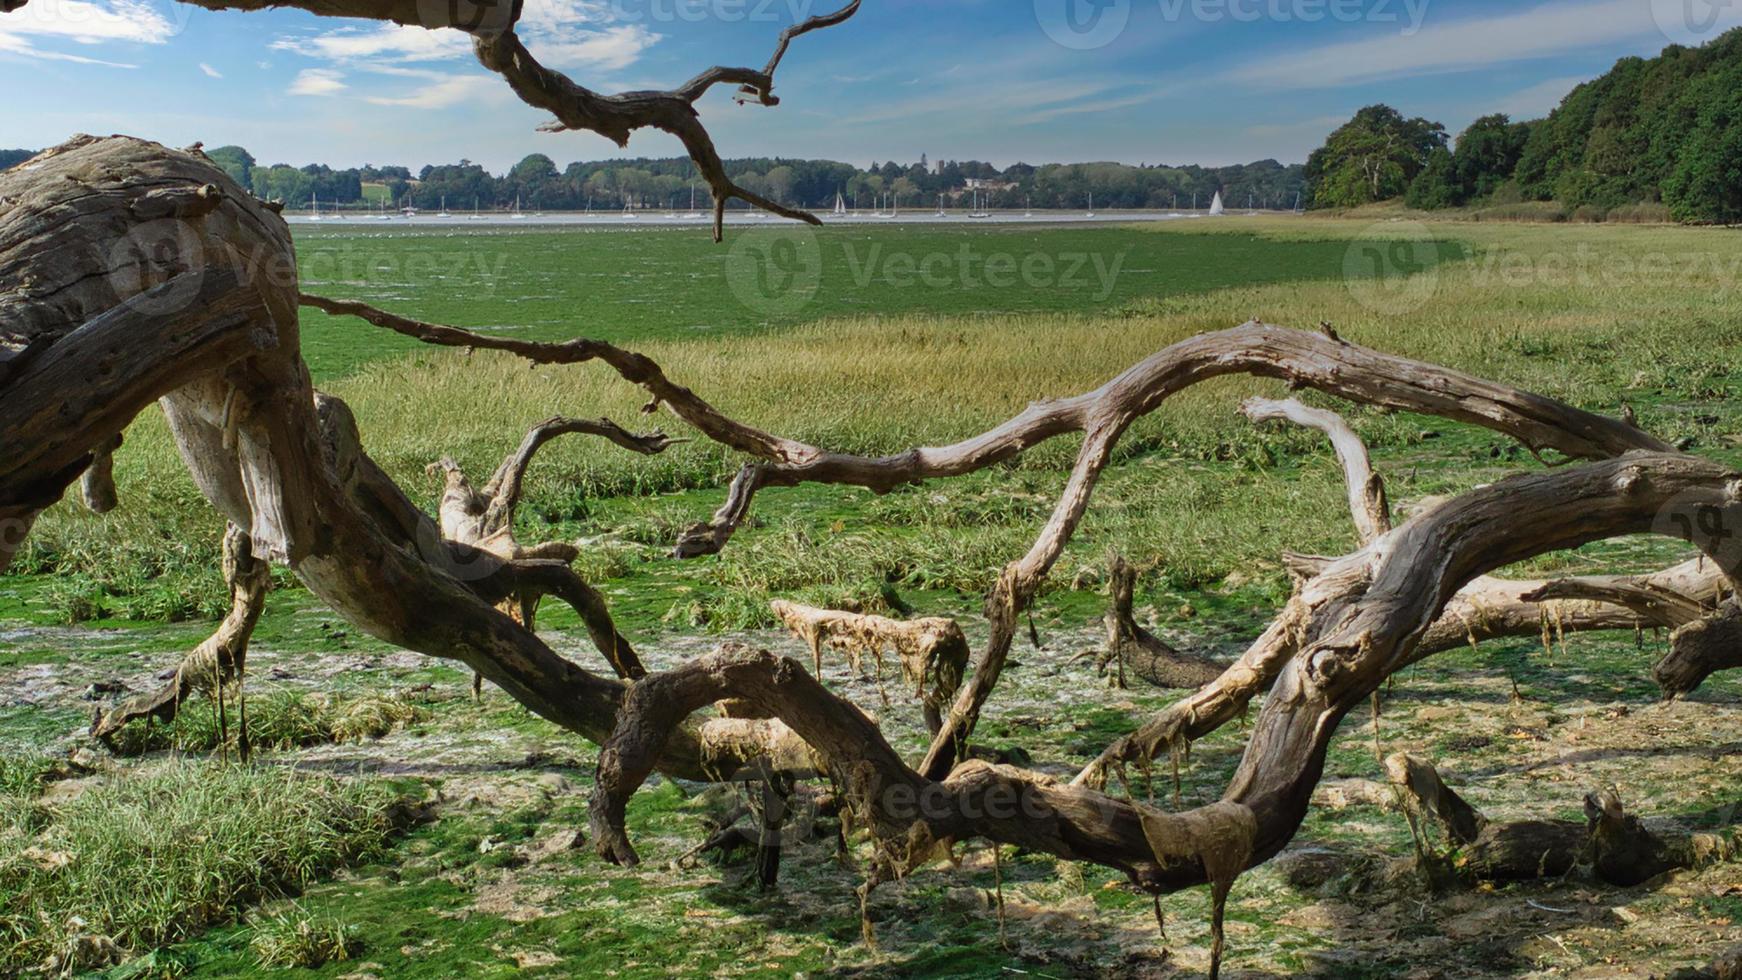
[(218, 660), (933, 652)]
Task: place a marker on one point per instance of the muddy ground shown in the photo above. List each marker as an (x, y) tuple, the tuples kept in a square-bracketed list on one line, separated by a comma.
[(493, 881)]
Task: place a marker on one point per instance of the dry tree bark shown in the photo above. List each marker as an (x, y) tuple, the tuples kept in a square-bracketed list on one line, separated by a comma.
[(218, 660), (933, 651), (484, 519), (1147, 655)]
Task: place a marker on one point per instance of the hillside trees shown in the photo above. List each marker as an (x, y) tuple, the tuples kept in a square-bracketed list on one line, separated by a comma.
[(1372, 157)]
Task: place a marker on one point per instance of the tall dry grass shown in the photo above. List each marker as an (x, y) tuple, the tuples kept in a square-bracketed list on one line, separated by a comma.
[(1594, 314)]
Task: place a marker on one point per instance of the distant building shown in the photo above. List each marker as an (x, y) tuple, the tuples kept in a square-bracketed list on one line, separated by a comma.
[(988, 184)]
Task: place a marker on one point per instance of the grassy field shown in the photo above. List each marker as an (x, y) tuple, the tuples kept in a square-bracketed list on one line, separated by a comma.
[(856, 350)]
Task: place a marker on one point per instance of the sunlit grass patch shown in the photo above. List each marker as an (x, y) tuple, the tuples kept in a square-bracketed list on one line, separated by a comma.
[(149, 858)]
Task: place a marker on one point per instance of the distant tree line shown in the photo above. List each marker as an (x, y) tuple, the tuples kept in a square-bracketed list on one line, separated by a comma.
[(536, 183), (1660, 131)]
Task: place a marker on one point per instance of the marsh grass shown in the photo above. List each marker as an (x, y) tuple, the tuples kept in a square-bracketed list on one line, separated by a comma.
[(277, 720), (292, 938), (151, 857), (1597, 315)]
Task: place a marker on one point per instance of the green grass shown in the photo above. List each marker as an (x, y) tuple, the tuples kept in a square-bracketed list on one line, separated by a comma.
[(1596, 315), (153, 857), (283, 719), (630, 286)]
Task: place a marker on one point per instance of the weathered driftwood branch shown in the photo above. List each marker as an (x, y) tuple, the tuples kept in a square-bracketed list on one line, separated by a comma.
[(1699, 649), (1305, 360), (615, 117), (933, 652), (485, 520), (1367, 502), (1619, 848), (1429, 801), (1351, 643), (1486, 608), (218, 660), (1131, 646)]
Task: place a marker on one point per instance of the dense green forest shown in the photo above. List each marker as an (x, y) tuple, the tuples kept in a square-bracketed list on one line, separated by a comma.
[(537, 183), (1663, 131)]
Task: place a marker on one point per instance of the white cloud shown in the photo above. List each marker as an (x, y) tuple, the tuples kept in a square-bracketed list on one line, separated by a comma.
[(317, 81), (388, 42), (1539, 99), (210, 71), (441, 92), (1538, 32), (84, 23), (612, 49), (19, 46)]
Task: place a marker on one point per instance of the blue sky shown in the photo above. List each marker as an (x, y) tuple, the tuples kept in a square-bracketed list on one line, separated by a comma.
[(1157, 81)]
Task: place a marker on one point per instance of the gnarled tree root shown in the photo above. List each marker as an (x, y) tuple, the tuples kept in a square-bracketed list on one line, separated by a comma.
[(1131, 647), (222, 657), (1619, 848)]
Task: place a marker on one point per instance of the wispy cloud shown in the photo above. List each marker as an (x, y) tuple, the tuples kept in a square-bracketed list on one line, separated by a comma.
[(612, 49), (317, 81), (1539, 99), (564, 34), (83, 23), (388, 42), (1539, 32), (210, 71)]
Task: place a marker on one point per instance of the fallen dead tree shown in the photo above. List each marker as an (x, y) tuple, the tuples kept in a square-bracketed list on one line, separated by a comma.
[(1453, 837), (131, 273)]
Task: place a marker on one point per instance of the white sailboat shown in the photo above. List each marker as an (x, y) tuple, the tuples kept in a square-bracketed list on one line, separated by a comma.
[(693, 215), (628, 212), (476, 215), (443, 213), (1091, 213), (314, 204), (518, 214), (941, 213), (1028, 207), (840, 205), (384, 216), (979, 208), (1216, 205)]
